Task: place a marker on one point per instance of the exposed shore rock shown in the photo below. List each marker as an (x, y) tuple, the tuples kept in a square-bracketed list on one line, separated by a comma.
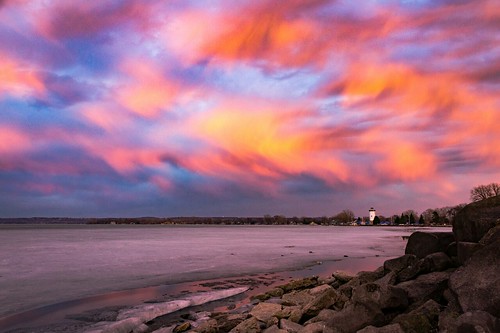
[(476, 219), (440, 284)]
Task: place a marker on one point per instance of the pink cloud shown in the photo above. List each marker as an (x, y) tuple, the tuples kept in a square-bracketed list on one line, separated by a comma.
[(19, 79)]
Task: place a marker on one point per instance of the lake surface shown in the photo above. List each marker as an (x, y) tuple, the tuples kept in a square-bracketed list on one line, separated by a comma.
[(46, 264)]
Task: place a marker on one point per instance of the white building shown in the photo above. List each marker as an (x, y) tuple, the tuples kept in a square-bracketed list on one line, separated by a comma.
[(372, 215)]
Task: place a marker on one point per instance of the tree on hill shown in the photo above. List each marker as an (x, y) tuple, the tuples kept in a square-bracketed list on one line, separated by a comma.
[(482, 192)]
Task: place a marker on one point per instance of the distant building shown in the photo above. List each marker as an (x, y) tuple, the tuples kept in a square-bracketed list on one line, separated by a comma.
[(372, 215)]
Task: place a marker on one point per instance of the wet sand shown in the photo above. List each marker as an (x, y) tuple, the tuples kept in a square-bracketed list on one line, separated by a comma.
[(75, 315)]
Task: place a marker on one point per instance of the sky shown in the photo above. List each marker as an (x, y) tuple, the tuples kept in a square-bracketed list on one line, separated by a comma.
[(245, 108)]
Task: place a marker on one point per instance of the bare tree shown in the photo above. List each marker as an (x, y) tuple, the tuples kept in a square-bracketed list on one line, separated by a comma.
[(482, 192), (495, 188), (345, 216)]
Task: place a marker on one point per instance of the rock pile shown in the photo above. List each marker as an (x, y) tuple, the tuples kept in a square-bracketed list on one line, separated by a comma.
[(445, 282)]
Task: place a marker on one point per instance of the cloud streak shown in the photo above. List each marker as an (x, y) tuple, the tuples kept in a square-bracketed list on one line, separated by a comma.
[(246, 108)]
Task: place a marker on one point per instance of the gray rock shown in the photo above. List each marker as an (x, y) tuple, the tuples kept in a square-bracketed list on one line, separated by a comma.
[(342, 277), (323, 300), (315, 328), (354, 317), (265, 311), (493, 235), (389, 279), (297, 298), (478, 322), (274, 329), (226, 322), (436, 262), (412, 271), (426, 286), (424, 319), (421, 244), (290, 326), (477, 283), (476, 219), (399, 263), (392, 328), (323, 316), (448, 321), (465, 250), (382, 296), (300, 284), (451, 250), (287, 311), (251, 325), (360, 278)]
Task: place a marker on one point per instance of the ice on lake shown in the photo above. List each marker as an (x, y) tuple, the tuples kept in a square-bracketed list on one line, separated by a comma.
[(47, 264)]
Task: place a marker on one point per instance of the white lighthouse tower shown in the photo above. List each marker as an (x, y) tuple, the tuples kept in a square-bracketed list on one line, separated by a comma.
[(372, 215)]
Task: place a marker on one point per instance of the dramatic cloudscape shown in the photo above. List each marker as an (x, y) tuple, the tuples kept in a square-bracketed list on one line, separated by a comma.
[(246, 108)]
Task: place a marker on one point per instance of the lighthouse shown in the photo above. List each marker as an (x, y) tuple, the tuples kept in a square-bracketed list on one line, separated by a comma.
[(372, 215)]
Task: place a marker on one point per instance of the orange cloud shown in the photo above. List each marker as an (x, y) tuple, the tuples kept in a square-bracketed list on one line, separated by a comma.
[(407, 162)]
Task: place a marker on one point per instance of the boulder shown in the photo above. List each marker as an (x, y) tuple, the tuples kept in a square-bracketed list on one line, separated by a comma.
[(465, 250), (297, 298), (399, 263), (412, 271), (251, 325), (424, 319), (385, 297), (477, 282), (392, 328), (322, 300), (354, 317), (342, 277), (426, 286), (422, 244), (290, 326), (317, 328), (447, 322), (478, 322), (265, 311), (274, 329), (208, 326), (226, 322), (287, 311), (436, 262), (300, 284), (493, 235), (361, 278), (474, 220)]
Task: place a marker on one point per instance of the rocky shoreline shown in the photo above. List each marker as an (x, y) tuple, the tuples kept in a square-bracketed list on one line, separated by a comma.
[(445, 282)]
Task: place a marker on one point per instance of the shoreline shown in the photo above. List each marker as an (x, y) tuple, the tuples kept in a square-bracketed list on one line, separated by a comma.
[(69, 313)]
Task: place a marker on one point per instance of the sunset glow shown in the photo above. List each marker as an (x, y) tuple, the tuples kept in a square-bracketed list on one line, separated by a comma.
[(246, 108)]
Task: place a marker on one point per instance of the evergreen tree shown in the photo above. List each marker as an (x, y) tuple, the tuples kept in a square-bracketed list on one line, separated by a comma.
[(412, 219), (435, 217), (421, 220), (397, 220), (376, 220)]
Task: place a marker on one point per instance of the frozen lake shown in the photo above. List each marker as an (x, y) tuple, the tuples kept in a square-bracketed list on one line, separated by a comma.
[(47, 264)]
